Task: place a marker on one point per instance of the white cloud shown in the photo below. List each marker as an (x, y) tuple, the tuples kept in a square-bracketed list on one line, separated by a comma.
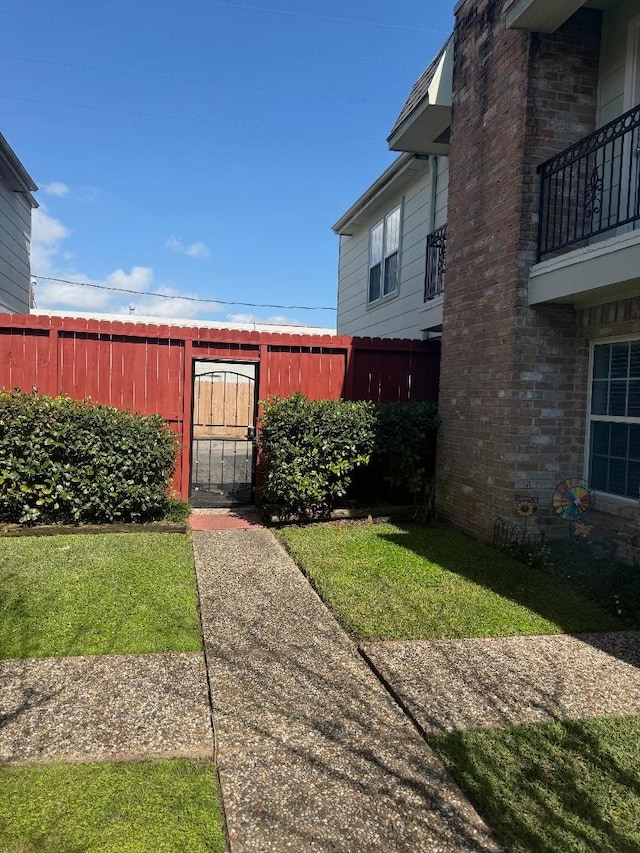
[(47, 233), (56, 188), (139, 279), (193, 250), (50, 259)]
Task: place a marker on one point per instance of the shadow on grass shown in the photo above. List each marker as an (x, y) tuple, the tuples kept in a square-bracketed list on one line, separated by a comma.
[(552, 598), (562, 786)]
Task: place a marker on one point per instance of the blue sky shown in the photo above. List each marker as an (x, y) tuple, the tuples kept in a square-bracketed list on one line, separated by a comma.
[(202, 148)]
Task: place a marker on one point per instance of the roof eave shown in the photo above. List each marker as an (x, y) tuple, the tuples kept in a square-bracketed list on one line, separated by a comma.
[(397, 175), (14, 173), (543, 16)]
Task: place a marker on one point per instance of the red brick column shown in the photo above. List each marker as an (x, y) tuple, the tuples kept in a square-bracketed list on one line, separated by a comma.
[(510, 419)]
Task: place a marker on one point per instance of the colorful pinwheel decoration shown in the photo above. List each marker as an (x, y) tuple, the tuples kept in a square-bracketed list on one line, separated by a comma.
[(572, 500)]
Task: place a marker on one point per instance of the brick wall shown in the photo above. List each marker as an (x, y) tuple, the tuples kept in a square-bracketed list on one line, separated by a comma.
[(510, 396)]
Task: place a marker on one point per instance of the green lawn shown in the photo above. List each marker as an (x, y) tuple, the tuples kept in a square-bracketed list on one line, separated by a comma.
[(146, 807), (97, 594), (408, 582), (571, 787)]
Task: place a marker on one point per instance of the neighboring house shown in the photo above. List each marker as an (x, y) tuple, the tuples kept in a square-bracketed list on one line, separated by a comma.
[(16, 204), (540, 376), (391, 261)]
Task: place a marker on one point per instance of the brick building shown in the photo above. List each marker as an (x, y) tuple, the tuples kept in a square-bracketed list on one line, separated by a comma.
[(541, 329), (540, 376)]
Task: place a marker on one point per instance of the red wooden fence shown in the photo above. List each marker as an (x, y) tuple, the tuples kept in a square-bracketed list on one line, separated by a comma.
[(149, 369)]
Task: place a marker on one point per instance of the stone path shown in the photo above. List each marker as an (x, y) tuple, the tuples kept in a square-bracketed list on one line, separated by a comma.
[(480, 683), (312, 752), (105, 707)]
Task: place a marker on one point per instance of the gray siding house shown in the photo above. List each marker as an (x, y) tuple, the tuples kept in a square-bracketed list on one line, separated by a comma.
[(16, 204), (392, 239)]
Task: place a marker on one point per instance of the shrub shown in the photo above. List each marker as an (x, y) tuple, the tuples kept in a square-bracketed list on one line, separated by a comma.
[(309, 449), (68, 461), (403, 458)]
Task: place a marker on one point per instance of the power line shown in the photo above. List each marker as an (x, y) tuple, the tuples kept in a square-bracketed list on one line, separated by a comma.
[(178, 118), (183, 298), (202, 40), (318, 17), (153, 74)]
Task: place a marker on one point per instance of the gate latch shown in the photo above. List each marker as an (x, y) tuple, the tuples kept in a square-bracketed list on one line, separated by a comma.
[(251, 433)]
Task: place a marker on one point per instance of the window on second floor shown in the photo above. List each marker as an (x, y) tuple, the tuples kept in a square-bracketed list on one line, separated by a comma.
[(384, 250)]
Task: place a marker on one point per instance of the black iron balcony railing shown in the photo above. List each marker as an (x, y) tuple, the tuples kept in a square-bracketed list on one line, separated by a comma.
[(436, 263), (591, 188)]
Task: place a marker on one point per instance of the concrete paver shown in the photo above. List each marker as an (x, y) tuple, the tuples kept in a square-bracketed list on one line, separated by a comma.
[(312, 752), (504, 681)]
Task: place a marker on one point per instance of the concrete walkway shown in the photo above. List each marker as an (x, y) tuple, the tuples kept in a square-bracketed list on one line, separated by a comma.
[(312, 752), (504, 681), (111, 707)]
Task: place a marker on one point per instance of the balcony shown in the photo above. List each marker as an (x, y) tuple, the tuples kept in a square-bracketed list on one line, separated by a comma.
[(436, 262), (588, 245), (434, 278)]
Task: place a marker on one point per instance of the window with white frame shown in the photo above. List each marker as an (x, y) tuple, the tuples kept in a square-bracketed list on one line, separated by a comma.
[(384, 248), (614, 451)]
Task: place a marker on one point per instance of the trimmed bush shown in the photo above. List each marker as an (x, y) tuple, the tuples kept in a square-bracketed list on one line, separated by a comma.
[(404, 453), (309, 449), (67, 461)]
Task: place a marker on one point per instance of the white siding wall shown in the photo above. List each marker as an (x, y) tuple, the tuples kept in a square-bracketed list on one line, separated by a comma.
[(15, 234), (613, 55), (399, 315)]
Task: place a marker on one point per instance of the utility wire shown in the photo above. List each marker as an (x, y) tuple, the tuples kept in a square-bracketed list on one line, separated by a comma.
[(178, 118), (199, 80), (183, 298), (201, 40), (317, 17)]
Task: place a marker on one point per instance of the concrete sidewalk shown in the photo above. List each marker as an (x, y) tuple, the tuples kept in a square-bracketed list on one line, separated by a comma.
[(312, 752), (106, 707)]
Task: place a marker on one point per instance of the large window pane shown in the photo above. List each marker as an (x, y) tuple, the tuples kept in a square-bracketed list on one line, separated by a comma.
[(634, 359), (374, 282), (618, 398), (619, 440), (391, 274), (633, 399), (375, 244), (619, 361), (599, 397), (634, 442), (601, 355), (633, 480), (392, 242), (600, 438), (618, 476), (598, 475)]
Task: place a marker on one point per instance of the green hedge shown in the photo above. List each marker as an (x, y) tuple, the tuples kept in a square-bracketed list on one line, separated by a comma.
[(67, 461), (309, 450), (313, 453), (404, 455)]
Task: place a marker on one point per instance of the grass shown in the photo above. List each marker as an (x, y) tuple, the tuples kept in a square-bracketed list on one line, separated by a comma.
[(97, 594), (571, 787), (413, 582), (146, 807)]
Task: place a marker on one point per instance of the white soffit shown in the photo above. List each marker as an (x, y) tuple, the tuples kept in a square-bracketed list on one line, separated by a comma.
[(424, 129), (542, 16)]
